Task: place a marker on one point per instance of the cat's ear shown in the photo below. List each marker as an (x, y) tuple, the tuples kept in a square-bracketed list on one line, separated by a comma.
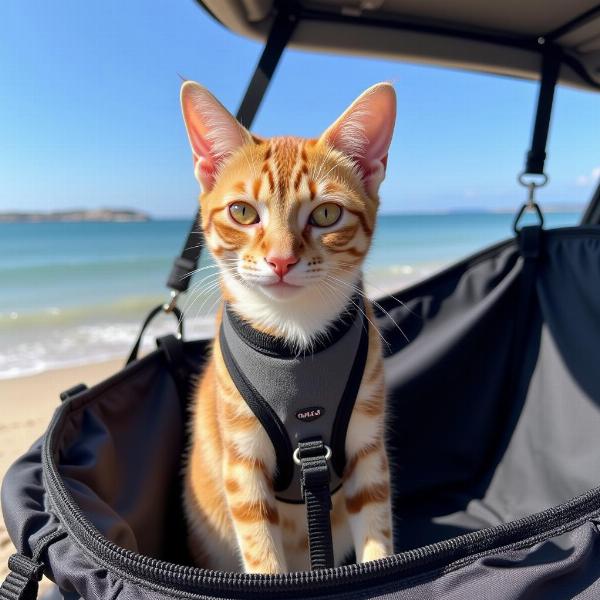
[(364, 132), (213, 132)]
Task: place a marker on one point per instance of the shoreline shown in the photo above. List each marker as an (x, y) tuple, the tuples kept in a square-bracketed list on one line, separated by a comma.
[(72, 338)]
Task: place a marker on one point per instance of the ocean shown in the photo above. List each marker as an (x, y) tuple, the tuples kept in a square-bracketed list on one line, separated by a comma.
[(72, 293)]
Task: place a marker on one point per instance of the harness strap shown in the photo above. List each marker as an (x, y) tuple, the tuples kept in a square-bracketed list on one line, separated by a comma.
[(312, 455), (264, 413)]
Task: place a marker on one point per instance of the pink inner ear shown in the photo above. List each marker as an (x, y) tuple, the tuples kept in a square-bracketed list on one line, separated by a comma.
[(199, 145), (364, 132), (204, 159), (204, 164), (213, 133)]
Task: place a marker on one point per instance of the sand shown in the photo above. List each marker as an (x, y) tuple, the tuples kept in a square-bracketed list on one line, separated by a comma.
[(26, 406)]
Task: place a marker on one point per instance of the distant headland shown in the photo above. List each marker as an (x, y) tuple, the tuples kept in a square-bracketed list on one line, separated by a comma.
[(64, 216)]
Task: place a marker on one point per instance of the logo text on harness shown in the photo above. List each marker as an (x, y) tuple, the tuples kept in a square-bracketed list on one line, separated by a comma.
[(310, 413)]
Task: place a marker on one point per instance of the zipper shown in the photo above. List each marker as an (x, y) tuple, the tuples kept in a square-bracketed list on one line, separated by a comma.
[(195, 582)]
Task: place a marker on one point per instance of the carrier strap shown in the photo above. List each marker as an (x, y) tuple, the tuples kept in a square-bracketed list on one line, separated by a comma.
[(187, 261), (312, 454), (23, 580), (536, 157), (160, 309)]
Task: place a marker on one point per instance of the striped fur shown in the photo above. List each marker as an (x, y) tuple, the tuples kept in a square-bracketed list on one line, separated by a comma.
[(234, 519)]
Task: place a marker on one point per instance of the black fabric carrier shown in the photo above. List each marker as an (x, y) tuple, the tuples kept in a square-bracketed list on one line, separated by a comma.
[(494, 429)]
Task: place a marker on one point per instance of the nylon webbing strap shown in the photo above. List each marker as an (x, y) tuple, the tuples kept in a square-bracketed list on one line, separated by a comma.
[(315, 488), (281, 31), (187, 261), (22, 581), (279, 35), (536, 157)]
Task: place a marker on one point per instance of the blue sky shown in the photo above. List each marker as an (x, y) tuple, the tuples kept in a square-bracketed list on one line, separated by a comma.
[(89, 113)]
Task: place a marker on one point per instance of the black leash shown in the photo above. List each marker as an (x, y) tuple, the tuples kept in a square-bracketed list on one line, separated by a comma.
[(313, 456)]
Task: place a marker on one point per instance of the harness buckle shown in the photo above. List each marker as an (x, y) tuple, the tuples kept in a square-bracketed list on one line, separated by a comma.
[(296, 454)]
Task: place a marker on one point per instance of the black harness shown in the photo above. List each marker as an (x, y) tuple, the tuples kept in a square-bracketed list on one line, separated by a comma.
[(304, 402)]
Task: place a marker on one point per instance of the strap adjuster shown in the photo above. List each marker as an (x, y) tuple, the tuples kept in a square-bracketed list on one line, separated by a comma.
[(22, 581)]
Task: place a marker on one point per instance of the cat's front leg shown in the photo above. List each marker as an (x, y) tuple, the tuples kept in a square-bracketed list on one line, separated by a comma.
[(367, 477), (248, 463)]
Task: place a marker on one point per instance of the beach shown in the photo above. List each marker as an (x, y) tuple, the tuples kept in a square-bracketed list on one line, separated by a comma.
[(27, 407)]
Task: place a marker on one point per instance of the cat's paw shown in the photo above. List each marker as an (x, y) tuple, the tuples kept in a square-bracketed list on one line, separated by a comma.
[(265, 565), (376, 549)]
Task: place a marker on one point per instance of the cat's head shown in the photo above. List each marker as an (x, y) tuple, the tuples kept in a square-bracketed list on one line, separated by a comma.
[(289, 220)]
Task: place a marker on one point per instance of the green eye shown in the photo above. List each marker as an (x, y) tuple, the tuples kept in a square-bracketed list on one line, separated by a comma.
[(243, 213), (326, 215)]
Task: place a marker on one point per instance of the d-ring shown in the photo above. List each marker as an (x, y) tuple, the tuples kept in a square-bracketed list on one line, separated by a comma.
[(296, 455)]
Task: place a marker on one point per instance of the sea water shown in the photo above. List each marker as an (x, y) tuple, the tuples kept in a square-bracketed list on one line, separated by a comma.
[(77, 292)]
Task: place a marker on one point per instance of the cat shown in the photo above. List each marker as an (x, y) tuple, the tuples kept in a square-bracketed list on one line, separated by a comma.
[(288, 221)]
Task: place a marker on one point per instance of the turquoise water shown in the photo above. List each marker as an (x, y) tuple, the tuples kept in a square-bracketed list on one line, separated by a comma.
[(74, 292)]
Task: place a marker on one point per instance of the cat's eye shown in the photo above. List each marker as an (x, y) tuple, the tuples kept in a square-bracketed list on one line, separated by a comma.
[(243, 213), (326, 215)]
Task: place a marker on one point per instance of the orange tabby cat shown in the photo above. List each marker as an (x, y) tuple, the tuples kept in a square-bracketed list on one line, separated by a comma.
[(289, 221)]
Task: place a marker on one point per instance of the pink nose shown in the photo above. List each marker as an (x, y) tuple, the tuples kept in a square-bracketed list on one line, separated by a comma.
[(281, 265)]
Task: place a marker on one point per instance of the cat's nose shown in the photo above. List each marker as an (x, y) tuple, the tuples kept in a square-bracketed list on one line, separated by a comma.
[(281, 265)]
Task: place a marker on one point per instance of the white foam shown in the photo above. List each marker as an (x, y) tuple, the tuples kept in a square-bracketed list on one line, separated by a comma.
[(32, 351), (49, 342)]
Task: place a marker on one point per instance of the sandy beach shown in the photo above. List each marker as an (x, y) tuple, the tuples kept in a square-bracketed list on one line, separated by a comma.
[(27, 404)]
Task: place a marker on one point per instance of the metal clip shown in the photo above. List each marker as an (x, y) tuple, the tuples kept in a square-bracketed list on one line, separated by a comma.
[(170, 306), (530, 204)]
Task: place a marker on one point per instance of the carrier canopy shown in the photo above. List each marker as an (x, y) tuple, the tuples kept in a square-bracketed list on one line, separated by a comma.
[(503, 38)]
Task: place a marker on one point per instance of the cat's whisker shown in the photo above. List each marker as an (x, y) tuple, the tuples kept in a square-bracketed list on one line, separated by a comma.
[(334, 289), (384, 292), (206, 294), (207, 287), (199, 283), (210, 266), (207, 290), (196, 271), (361, 292), (214, 304)]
